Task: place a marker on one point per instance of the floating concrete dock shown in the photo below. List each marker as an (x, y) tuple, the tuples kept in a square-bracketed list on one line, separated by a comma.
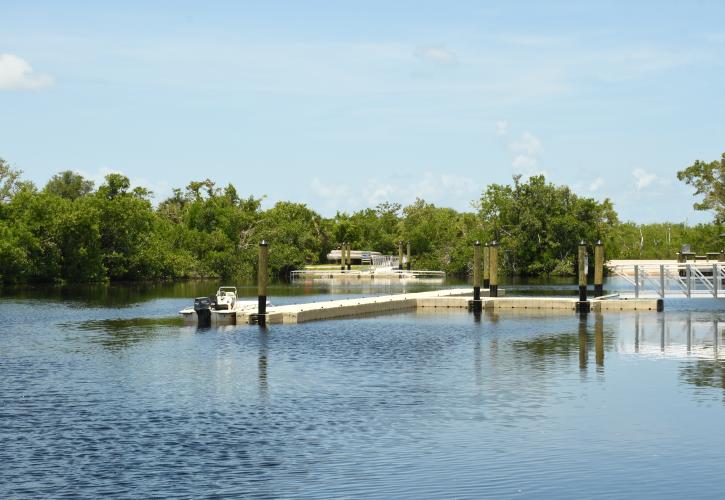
[(455, 298)]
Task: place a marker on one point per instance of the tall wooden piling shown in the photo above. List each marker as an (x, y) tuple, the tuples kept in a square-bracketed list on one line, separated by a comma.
[(342, 256), (408, 263), (493, 270), (262, 283), (400, 255), (583, 304), (349, 256), (477, 271), (598, 269), (582, 262), (486, 259)]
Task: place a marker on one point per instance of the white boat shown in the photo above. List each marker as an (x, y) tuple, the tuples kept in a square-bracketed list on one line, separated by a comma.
[(226, 298), (220, 310)]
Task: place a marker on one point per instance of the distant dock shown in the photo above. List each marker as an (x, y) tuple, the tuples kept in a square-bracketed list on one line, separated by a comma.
[(373, 275)]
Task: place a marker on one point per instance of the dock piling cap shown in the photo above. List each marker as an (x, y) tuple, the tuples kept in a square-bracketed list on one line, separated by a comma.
[(263, 243), (477, 243)]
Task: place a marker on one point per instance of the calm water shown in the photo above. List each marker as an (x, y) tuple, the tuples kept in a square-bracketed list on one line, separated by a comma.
[(105, 392)]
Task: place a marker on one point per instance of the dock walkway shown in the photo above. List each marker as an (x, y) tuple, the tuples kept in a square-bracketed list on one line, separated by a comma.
[(453, 298)]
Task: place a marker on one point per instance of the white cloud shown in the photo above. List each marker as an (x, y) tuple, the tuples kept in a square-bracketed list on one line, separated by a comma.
[(437, 54), (526, 151), (643, 178), (377, 192), (596, 184), (536, 41), (528, 144), (441, 186), (329, 191), (631, 63), (524, 161), (17, 74), (442, 189), (502, 127)]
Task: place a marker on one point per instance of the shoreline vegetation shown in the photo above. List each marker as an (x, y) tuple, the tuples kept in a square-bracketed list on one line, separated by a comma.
[(72, 232)]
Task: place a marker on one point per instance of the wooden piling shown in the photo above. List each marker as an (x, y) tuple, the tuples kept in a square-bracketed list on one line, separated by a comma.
[(486, 259), (408, 263), (582, 264), (598, 269), (583, 305), (342, 256), (493, 270), (477, 272), (262, 283), (349, 256), (400, 255)]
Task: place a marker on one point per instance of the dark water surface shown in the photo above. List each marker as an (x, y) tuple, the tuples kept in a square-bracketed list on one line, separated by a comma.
[(104, 392)]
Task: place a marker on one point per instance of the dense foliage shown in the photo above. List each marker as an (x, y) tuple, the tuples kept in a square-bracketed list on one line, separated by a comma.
[(72, 231), (539, 225), (707, 179)]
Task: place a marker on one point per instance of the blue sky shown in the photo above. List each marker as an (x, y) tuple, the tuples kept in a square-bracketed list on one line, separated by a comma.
[(343, 105)]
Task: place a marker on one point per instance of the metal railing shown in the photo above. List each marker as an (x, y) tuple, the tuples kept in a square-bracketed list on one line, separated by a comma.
[(385, 262), (673, 280)]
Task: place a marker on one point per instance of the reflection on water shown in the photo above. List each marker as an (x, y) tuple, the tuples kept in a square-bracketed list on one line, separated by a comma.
[(124, 333), (262, 363), (599, 339), (565, 344), (129, 295), (124, 400), (688, 334), (704, 373)]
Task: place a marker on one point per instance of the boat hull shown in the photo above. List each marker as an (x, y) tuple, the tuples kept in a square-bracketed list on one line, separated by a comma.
[(220, 317)]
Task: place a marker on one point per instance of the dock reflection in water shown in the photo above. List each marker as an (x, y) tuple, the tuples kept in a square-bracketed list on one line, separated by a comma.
[(682, 334)]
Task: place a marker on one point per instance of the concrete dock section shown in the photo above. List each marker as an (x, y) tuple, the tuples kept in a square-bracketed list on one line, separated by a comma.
[(455, 298)]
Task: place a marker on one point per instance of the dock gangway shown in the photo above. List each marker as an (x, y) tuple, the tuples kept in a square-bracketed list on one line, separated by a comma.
[(683, 280)]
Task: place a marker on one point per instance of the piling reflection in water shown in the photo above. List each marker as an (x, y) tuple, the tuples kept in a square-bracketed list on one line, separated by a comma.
[(681, 335), (478, 361), (636, 332), (599, 340), (262, 365), (583, 354), (678, 335)]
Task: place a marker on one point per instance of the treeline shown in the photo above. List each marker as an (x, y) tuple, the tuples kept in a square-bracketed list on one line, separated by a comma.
[(71, 231)]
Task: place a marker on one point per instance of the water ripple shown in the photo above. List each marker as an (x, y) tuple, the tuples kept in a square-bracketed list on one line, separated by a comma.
[(130, 403)]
